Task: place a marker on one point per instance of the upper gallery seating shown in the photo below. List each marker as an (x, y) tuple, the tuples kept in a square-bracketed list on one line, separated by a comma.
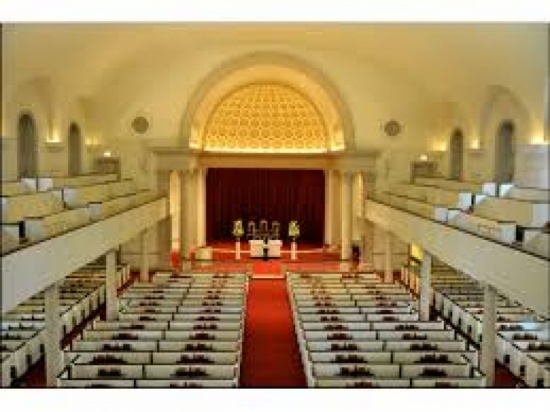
[(475, 207), (488, 188), (14, 188), (523, 343), (22, 329), (177, 331), (355, 331), (537, 242), (64, 203), (9, 241), (524, 193), (58, 182)]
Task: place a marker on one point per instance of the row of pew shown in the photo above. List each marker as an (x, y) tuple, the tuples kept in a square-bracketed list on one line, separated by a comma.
[(356, 331), (522, 336), (22, 329), (34, 209), (177, 331), (503, 212)]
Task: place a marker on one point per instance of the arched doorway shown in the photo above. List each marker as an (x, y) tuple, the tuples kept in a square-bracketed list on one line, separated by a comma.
[(27, 146), (75, 150), (457, 155), (505, 152)]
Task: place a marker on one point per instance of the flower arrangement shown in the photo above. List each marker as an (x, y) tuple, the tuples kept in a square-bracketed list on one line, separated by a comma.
[(238, 230), (293, 229)]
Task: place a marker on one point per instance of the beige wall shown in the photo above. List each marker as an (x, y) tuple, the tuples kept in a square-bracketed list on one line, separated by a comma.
[(123, 78)]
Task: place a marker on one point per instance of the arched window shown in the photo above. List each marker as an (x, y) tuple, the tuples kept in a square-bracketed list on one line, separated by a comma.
[(75, 150), (456, 150), (27, 146), (505, 152)]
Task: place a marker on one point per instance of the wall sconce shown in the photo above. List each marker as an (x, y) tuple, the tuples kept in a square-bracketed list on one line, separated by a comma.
[(107, 153), (475, 144), (538, 141), (54, 138), (423, 157)]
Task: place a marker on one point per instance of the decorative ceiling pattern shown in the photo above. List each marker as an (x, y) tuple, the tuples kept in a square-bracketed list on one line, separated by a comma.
[(266, 118)]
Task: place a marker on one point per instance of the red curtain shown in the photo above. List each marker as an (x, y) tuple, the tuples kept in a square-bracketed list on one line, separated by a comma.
[(271, 194)]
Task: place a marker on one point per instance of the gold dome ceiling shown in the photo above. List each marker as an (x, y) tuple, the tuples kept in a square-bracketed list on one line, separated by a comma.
[(265, 118)]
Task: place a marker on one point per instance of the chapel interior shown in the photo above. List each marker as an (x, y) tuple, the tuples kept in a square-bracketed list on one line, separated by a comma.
[(275, 205)]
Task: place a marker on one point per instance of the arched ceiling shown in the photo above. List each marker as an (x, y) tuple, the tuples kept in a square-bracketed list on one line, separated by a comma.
[(441, 57), (441, 62)]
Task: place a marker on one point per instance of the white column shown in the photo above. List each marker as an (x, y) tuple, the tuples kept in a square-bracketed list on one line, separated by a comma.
[(355, 207), (488, 344), (111, 298), (52, 343), (201, 207), (328, 205), (144, 256), (191, 199), (346, 208), (184, 238), (388, 267), (363, 228), (425, 281), (161, 252)]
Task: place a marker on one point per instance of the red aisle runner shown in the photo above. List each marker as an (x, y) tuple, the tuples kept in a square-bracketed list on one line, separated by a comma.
[(271, 357)]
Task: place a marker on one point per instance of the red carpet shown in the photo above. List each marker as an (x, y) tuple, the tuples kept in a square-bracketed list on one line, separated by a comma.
[(271, 357)]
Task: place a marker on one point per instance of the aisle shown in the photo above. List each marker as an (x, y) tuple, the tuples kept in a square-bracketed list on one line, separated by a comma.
[(271, 357)]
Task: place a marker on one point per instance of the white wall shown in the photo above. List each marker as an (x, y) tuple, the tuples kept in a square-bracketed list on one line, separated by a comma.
[(480, 125), (53, 113)]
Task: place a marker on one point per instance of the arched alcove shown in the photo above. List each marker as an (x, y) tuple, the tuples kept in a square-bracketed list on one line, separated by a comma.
[(293, 78), (75, 150), (505, 152), (27, 146), (456, 153), (266, 118)]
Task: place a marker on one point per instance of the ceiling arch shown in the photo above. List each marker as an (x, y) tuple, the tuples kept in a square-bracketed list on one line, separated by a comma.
[(270, 68)]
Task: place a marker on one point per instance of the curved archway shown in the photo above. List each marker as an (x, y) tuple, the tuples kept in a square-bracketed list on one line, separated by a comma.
[(267, 68), (75, 150), (266, 118), (27, 146), (456, 152), (505, 152)]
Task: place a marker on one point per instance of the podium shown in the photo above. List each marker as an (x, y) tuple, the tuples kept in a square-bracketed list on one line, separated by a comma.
[(257, 248)]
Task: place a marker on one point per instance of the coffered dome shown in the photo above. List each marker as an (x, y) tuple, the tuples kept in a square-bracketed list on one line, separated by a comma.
[(266, 118)]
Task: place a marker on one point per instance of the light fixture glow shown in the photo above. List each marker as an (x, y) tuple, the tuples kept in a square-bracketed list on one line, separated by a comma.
[(54, 138), (107, 153), (424, 157), (538, 140)]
